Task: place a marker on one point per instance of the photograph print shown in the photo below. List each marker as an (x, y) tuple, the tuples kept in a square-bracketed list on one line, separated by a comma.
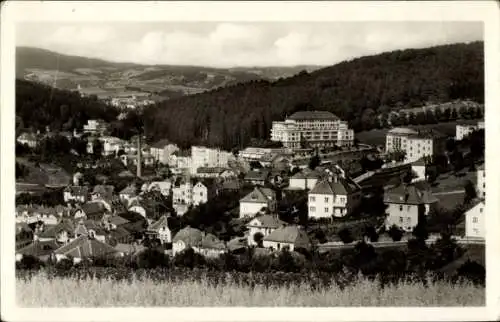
[(250, 164)]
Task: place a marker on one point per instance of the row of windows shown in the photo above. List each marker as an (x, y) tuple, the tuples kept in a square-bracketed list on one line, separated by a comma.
[(407, 208), (313, 209), (408, 220), (327, 199)]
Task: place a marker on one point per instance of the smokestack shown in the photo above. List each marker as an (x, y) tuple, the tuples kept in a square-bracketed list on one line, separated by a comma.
[(139, 159)]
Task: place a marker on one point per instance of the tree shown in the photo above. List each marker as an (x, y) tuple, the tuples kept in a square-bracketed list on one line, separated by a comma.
[(395, 233), (371, 233), (420, 231), (314, 161), (258, 238), (97, 148), (454, 114), (345, 236), (472, 271), (470, 192)]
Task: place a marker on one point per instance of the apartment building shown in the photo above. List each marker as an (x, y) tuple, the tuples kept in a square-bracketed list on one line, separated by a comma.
[(334, 196), (313, 129), (207, 157), (415, 144), (396, 139)]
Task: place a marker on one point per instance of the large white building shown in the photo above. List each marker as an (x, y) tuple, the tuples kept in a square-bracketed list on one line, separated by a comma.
[(474, 221), (481, 182), (464, 130), (162, 150), (334, 196), (313, 128), (207, 157), (416, 145), (95, 127)]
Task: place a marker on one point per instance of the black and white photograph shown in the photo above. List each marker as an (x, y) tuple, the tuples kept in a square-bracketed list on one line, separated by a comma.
[(231, 162)]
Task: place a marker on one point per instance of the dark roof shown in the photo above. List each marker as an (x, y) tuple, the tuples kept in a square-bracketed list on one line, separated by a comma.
[(190, 236), (335, 186), (260, 195), (290, 234), (39, 248), (77, 190), (104, 189), (267, 221), (211, 170), (63, 225), (84, 246), (93, 207), (307, 174), (419, 162), (162, 222), (117, 220), (313, 115), (160, 144), (263, 174), (409, 194), (429, 134)]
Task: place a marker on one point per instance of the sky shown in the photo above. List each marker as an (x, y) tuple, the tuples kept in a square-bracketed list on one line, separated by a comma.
[(229, 44)]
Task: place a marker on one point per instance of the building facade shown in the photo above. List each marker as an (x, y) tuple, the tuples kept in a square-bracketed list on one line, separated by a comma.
[(481, 182), (415, 145), (207, 157), (257, 200), (396, 139), (474, 221), (313, 129), (464, 130)]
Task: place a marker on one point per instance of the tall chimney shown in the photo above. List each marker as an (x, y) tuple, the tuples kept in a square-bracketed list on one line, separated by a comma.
[(139, 158)]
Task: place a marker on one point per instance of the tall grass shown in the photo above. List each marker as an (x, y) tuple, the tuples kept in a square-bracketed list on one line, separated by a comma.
[(42, 291)]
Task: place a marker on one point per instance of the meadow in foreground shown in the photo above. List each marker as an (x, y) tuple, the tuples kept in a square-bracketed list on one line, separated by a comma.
[(41, 291)]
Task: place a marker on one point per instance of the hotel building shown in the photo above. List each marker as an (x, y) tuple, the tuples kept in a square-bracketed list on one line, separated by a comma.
[(312, 128)]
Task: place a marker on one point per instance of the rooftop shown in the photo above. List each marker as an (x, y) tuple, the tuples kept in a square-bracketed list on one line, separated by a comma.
[(335, 186), (409, 195), (290, 234), (313, 115)]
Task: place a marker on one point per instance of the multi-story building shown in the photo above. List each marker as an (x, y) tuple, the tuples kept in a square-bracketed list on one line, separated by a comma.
[(415, 144), (95, 127), (111, 145), (396, 139), (481, 182), (260, 198), (313, 129), (334, 196), (464, 130), (406, 204), (162, 150), (264, 225), (474, 221), (207, 157)]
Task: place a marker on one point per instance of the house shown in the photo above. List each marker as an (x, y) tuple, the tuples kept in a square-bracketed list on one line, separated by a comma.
[(425, 144), (304, 180), (231, 185), (207, 157), (481, 182), (162, 150), (30, 139), (474, 221), (264, 225), (336, 195), (159, 229), (164, 187), (62, 233), (418, 169), (406, 203), (182, 196), (111, 145), (256, 200), (128, 192), (396, 139), (464, 130), (90, 228), (132, 159), (76, 193), (95, 127), (124, 249), (203, 191), (201, 242), (91, 210), (102, 192), (112, 222), (85, 246), (40, 249), (257, 177), (215, 172), (291, 237), (136, 205)]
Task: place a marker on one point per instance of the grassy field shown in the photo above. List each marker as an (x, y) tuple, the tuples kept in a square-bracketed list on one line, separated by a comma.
[(60, 292)]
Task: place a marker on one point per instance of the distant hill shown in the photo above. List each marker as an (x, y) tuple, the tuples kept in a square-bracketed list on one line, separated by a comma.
[(67, 72), (355, 90)]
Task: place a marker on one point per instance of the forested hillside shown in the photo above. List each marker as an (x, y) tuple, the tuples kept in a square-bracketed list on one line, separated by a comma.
[(38, 106), (355, 90)]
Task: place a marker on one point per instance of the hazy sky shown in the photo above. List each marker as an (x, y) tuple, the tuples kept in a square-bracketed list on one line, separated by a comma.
[(228, 44)]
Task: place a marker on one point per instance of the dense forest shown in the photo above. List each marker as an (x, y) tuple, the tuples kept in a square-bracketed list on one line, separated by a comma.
[(355, 90), (38, 106)]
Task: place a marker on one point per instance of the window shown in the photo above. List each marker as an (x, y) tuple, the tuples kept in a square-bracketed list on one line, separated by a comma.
[(408, 220), (481, 210), (474, 219), (400, 220), (312, 209), (312, 199), (326, 199), (326, 209), (400, 208), (408, 208)]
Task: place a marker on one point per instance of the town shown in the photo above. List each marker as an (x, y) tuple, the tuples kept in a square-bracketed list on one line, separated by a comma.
[(314, 187)]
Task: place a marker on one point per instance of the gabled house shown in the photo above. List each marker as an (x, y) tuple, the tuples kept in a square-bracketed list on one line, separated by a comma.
[(291, 237), (304, 180), (264, 225), (76, 193), (406, 203), (62, 233), (203, 191), (94, 210), (85, 246), (103, 192), (474, 221), (257, 200), (201, 242), (90, 228), (40, 249), (334, 196), (257, 177), (159, 229)]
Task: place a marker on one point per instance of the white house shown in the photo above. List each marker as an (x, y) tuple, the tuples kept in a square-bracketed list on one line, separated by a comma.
[(256, 200), (29, 139), (474, 221), (305, 179), (160, 230), (200, 194), (396, 138), (335, 196), (405, 204), (111, 145), (291, 237), (265, 225), (164, 187), (201, 242), (481, 182), (76, 193)]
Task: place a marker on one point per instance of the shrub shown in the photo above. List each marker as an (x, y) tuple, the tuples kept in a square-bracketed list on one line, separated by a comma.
[(371, 233), (29, 262), (395, 233), (151, 258), (189, 258), (345, 236), (472, 271)]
